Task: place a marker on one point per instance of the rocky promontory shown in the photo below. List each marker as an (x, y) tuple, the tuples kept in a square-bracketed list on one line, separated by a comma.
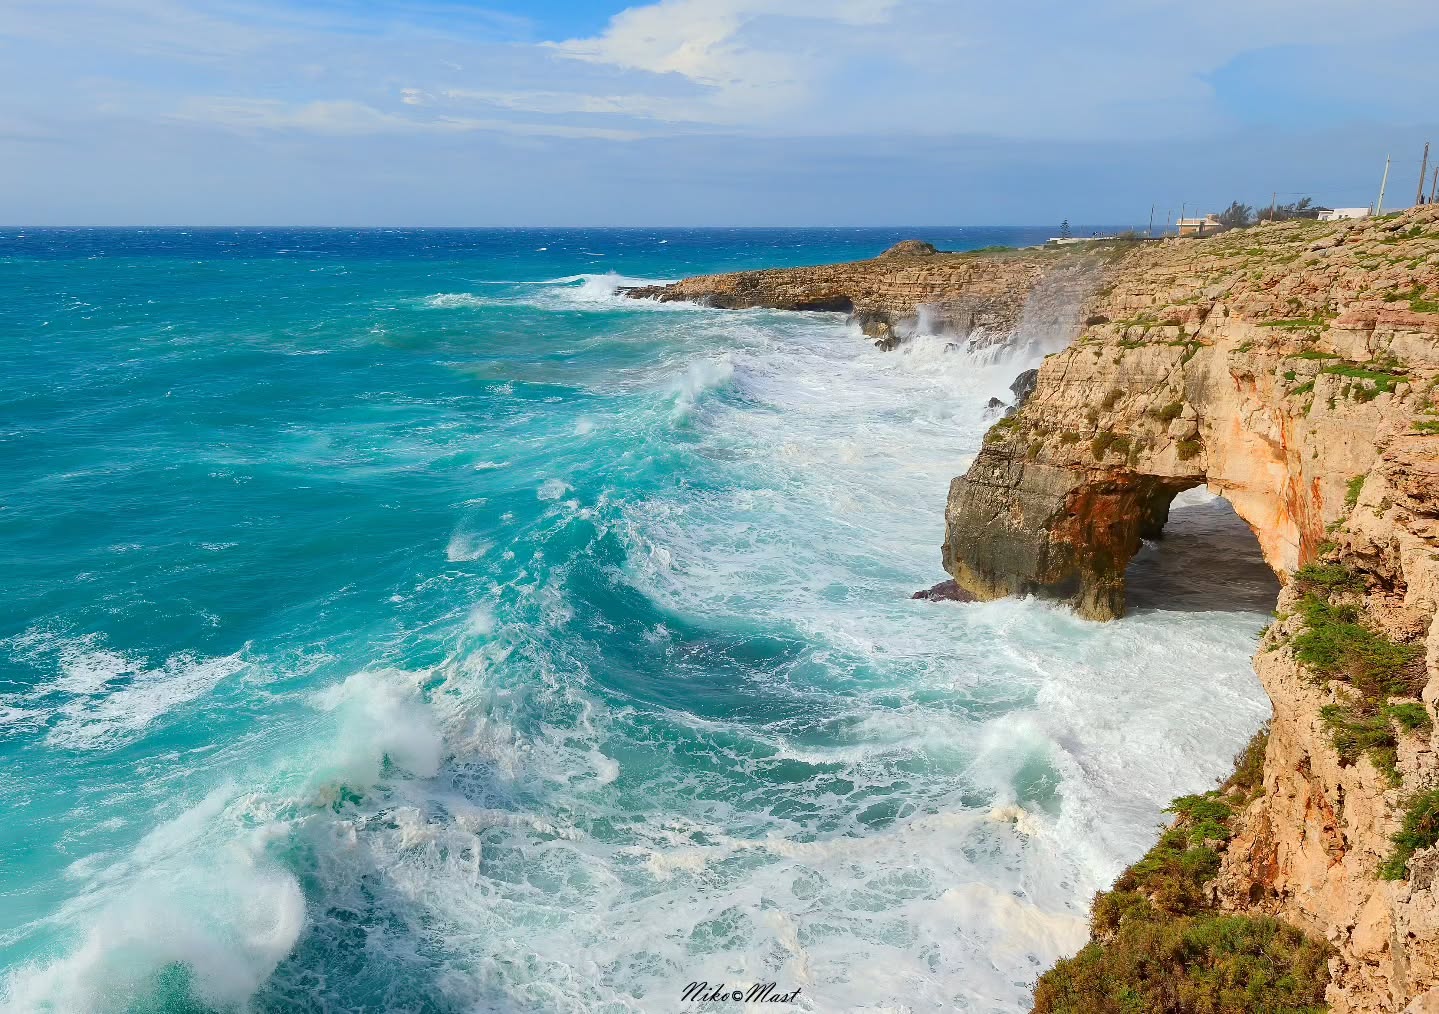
[(980, 297)]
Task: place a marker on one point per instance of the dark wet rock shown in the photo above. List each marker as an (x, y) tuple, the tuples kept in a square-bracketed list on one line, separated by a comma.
[(945, 591), (1023, 386)]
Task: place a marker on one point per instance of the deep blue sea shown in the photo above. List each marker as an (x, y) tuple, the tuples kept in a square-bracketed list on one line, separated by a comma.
[(400, 620)]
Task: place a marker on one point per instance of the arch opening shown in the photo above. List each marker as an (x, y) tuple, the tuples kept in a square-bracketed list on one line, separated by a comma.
[(1198, 555)]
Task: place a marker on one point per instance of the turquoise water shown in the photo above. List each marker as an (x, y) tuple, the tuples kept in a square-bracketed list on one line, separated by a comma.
[(400, 620)]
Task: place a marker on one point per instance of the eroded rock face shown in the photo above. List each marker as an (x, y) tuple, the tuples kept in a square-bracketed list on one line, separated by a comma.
[(1293, 369), (980, 297), (1266, 383)]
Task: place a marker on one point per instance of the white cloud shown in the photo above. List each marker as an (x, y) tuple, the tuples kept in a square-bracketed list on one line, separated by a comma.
[(698, 38), (726, 46), (343, 117)]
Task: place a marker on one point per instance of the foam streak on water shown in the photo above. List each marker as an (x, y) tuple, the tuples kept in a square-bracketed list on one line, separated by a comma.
[(533, 649)]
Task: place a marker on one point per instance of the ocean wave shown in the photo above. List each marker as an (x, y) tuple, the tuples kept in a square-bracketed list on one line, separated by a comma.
[(219, 905), (457, 300), (101, 699)]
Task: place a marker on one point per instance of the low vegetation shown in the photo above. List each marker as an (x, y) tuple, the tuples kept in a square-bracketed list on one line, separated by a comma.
[(1221, 964), (1419, 831), (1159, 944), (1365, 720), (1108, 441), (1169, 412), (1335, 645), (1383, 381)]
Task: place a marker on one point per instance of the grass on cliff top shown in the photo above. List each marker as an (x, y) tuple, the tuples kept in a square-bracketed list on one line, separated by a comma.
[(1160, 945)]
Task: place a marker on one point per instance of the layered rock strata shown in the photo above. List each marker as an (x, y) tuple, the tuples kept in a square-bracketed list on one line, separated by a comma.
[(1294, 369)]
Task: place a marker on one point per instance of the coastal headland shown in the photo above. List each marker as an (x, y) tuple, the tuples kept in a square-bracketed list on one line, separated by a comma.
[(1292, 368)]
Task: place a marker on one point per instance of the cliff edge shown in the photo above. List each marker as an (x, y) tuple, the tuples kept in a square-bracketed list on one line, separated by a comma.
[(1293, 369)]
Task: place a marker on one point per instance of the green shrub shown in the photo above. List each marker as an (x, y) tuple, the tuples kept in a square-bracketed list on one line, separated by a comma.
[(1412, 715), (1160, 945), (1356, 733), (1169, 412), (1248, 776), (1111, 399), (1108, 441), (1069, 437), (1188, 449), (1383, 381), (1420, 831), (1215, 964), (1334, 644), (1002, 429), (1205, 817), (1327, 577), (1352, 491)]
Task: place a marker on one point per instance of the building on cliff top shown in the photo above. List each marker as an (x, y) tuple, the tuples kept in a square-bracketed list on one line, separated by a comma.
[(1206, 226), (1339, 214)]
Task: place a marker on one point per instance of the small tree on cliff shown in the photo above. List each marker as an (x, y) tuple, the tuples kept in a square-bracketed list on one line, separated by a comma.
[(1302, 208), (1064, 232), (1236, 216)]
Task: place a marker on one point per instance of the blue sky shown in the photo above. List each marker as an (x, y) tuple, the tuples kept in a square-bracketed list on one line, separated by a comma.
[(702, 112)]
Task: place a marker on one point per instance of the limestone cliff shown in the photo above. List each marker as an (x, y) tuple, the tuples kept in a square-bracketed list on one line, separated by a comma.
[(981, 297), (1293, 369)]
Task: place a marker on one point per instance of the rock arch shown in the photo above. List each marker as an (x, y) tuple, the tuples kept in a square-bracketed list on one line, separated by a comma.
[(1016, 526)]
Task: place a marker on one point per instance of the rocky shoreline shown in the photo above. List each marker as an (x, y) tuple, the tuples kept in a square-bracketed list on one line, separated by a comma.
[(981, 297), (1294, 369)]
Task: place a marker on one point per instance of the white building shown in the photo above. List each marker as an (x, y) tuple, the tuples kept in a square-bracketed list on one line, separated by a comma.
[(1339, 214), (1206, 226)]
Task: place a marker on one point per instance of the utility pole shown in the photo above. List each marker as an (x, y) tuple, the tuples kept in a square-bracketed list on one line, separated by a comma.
[(1150, 231), (1273, 203), (1423, 168), (1379, 208), (1434, 184), (1168, 217)]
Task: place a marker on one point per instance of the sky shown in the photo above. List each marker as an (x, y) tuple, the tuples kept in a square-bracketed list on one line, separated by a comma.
[(704, 112)]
